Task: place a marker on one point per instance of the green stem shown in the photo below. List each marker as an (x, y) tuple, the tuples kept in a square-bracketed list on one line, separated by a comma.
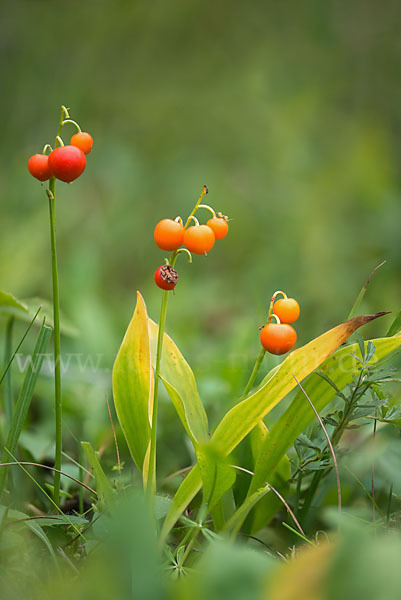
[(152, 454), (56, 320), (202, 194), (192, 540), (254, 373), (81, 478), (335, 438), (51, 193)]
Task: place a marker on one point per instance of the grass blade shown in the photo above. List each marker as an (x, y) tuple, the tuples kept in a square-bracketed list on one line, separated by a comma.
[(25, 395)]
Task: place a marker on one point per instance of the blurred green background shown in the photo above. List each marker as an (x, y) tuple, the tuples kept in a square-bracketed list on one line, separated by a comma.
[(289, 112)]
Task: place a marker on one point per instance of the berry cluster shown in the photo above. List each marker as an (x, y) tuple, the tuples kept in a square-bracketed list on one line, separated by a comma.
[(199, 239), (280, 337), (65, 163)]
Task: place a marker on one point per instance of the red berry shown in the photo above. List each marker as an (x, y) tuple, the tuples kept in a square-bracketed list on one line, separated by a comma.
[(166, 277), (83, 141), (199, 239), (67, 163), (278, 338), (38, 166)]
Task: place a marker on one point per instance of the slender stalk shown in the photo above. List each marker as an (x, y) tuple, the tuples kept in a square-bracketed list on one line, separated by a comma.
[(333, 454), (151, 481), (152, 452), (81, 477), (373, 474), (192, 540), (51, 193), (202, 194), (57, 344), (254, 373)]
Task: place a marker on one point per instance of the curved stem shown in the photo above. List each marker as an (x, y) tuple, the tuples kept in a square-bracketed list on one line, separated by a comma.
[(209, 208), (184, 251), (192, 218), (47, 147), (34, 464), (73, 123), (273, 298)]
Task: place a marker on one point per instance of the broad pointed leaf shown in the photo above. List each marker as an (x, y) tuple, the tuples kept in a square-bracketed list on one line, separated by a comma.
[(133, 383), (180, 384)]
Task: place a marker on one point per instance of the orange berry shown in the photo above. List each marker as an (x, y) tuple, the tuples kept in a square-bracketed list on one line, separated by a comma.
[(169, 234), (278, 338), (219, 226), (199, 239), (83, 141), (287, 310)]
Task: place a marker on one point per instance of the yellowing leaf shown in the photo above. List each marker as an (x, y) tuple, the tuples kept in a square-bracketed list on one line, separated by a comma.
[(340, 368), (243, 417), (180, 384), (133, 383)]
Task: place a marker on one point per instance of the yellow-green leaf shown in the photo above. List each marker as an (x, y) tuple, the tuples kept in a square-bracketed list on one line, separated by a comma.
[(217, 475), (269, 504), (103, 487), (241, 419), (340, 368), (133, 383), (180, 384), (11, 305)]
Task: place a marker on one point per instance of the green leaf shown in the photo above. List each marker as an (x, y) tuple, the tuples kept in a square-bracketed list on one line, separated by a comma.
[(162, 504), (395, 326), (234, 523), (103, 487), (25, 310), (217, 475), (133, 383), (269, 504), (180, 384), (32, 525), (10, 305), (340, 368), (241, 419), (66, 327), (25, 396)]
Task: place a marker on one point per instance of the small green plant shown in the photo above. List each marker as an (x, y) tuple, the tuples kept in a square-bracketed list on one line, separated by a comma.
[(65, 163)]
